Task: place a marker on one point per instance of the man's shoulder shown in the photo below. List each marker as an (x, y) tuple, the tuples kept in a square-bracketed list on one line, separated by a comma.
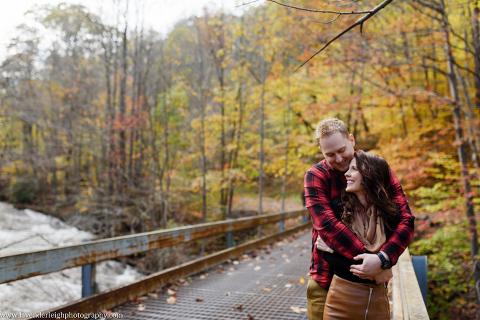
[(320, 168)]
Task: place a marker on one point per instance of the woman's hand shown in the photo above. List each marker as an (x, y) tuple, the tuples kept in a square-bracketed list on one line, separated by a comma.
[(384, 276), (322, 246), (370, 267)]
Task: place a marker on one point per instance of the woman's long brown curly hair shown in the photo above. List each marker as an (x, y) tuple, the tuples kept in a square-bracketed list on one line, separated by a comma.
[(376, 181)]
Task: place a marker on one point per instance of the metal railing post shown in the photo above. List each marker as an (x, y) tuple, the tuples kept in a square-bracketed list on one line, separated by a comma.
[(229, 237), (420, 267), (280, 224), (89, 286)]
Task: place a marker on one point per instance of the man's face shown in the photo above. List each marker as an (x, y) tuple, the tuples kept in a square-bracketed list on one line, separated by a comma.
[(338, 150)]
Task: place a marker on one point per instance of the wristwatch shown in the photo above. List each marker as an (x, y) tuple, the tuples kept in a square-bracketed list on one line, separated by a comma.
[(385, 263)]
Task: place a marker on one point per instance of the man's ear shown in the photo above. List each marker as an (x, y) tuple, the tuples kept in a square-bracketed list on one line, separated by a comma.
[(352, 140), (319, 145)]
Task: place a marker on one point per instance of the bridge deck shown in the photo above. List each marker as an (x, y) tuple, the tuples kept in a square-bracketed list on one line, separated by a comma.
[(270, 284)]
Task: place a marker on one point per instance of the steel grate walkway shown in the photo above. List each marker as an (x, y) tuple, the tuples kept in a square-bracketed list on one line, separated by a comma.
[(270, 285)]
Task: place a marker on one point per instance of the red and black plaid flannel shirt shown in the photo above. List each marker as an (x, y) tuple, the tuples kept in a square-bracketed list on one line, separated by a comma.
[(322, 185)]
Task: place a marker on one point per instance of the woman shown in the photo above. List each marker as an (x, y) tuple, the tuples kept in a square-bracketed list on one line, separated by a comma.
[(369, 211)]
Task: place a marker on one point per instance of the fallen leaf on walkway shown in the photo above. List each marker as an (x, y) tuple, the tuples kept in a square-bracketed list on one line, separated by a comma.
[(141, 307), (227, 293), (170, 292), (280, 275), (250, 317), (202, 277), (139, 299), (257, 268), (288, 285), (153, 295), (302, 280), (199, 300), (267, 289), (235, 262), (173, 299), (219, 271), (257, 282), (297, 309), (106, 312), (240, 307), (292, 281)]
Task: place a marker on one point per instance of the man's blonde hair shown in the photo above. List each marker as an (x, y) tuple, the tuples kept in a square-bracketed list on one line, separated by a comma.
[(329, 126)]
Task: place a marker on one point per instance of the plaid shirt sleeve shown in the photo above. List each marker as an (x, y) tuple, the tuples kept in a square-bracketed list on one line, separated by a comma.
[(403, 234), (320, 189)]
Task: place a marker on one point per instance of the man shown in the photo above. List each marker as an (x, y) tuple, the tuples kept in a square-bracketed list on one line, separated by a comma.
[(324, 184)]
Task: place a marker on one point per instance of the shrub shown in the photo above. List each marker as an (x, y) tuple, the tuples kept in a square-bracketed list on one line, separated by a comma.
[(450, 293), (23, 190)]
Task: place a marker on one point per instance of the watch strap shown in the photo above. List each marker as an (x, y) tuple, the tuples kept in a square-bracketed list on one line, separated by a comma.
[(385, 263)]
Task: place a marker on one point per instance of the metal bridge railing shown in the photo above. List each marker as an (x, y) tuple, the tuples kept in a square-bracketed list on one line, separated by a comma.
[(29, 264), (407, 298)]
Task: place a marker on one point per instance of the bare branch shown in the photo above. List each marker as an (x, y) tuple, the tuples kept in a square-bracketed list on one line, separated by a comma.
[(246, 3), (359, 22), (328, 22), (319, 11)]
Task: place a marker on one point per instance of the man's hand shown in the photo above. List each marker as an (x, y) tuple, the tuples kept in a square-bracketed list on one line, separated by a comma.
[(370, 267), (384, 276), (322, 246)]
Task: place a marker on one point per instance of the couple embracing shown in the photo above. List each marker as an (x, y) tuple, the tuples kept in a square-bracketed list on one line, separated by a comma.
[(361, 225)]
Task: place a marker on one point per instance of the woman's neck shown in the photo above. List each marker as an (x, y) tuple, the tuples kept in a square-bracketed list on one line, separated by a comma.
[(363, 200)]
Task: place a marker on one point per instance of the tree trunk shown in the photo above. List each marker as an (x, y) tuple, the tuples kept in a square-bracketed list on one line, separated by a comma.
[(287, 144), (452, 81), (262, 120), (122, 119), (201, 85), (476, 48), (473, 133), (238, 124)]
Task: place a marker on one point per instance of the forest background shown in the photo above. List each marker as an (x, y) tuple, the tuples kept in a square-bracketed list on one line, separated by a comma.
[(119, 129)]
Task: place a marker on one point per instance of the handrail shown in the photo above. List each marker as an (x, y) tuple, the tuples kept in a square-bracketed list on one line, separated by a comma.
[(407, 298), (119, 296), (408, 303), (25, 265)]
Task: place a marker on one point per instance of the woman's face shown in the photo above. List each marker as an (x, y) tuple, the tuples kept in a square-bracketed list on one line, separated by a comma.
[(354, 179)]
